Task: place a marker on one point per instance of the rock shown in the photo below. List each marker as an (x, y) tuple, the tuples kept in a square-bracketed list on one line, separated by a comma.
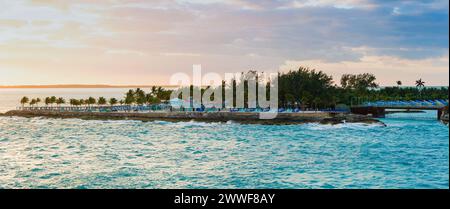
[(444, 116), (247, 117), (351, 118)]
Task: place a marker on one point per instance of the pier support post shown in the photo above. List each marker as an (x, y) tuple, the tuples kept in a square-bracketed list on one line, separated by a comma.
[(379, 112), (376, 112)]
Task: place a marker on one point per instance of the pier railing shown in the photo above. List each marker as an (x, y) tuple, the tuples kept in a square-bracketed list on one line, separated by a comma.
[(378, 108), (167, 108), (410, 104), (127, 108)]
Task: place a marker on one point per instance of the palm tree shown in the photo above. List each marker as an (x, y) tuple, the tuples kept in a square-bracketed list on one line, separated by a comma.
[(101, 101), (149, 99), (72, 102), (82, 102), (129, 97), (153, 91), (47, 101), (91, 101), (52, 100), (162, 94), (139, 96), (60, 101), (113, 101), (77, 102), (32, 102), (420, 83), (24, 100)]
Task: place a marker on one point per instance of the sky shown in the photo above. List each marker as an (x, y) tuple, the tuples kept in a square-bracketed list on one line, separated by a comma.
[(131, 42)]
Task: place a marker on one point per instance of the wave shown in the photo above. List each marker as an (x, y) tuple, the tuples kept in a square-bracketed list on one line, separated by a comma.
[(194, 123), (318, 126), (45, 120)]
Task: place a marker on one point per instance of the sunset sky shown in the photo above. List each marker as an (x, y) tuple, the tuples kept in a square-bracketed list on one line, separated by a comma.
[(145, 42)]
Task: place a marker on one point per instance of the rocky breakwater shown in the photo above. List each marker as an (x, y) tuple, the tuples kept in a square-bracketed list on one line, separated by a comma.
[(240, 117), (444, 116)]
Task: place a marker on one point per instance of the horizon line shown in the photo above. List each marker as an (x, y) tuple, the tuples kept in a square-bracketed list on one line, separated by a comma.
[(63, 86), (78, 86)]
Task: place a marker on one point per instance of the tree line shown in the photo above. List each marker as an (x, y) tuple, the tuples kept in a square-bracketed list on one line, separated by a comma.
[(302, 88), (137, 96), (314, 89)]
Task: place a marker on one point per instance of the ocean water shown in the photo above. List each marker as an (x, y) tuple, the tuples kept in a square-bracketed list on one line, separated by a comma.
[(411, 152)]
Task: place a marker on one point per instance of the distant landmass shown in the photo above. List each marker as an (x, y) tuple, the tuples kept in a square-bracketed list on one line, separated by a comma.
[(78, 86)]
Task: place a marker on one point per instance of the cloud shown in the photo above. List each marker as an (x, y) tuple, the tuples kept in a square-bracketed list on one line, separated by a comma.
[(163, 36), (343, 4), (177, 54), (12, 23), (387, 69), (125, 52)]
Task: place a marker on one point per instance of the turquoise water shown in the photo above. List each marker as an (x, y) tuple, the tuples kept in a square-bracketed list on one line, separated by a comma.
[(411, 152)]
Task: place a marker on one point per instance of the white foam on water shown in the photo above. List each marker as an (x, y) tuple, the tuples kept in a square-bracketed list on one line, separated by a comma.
[(197, 123), (318, 126), (230, 122), (161, 122)]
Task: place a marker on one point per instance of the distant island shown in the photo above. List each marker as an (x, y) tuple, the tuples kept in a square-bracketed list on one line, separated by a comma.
[(304, 95), (76, 86)]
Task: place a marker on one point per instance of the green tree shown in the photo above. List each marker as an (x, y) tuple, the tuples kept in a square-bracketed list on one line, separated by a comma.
[(358, 86), (60, 101), (139, 96), (154, 90), (24, 101), (113, 101), (82, 102), (101, 101), (91, 101), (129, 97), (150, 99), (160, 93), (73, 102), (32, 102), (302, 86), (47, 101), (38, 100), (359, 82), (52, 100), (420, 83)]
